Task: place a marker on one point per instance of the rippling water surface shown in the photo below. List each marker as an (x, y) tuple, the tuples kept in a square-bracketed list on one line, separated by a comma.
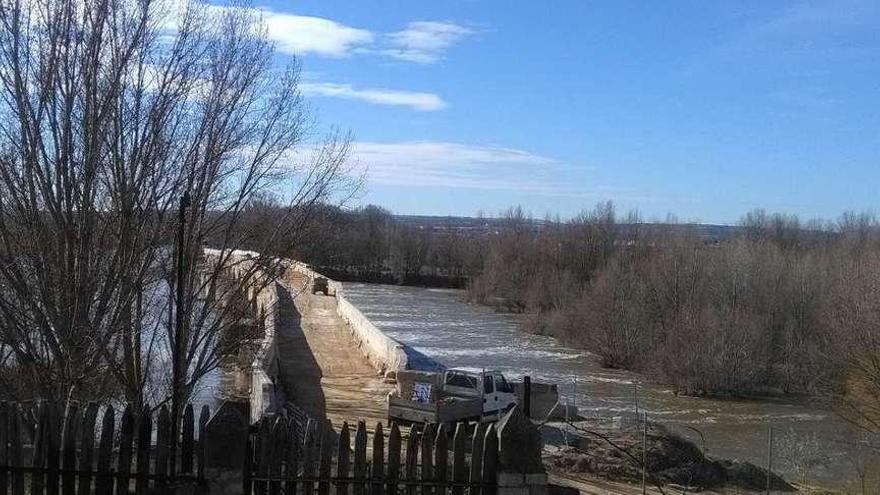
[(439, 324)]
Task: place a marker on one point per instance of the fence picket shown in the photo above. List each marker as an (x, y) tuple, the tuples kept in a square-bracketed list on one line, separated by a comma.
[(310, 456), (103, 481), (38, 480), (123, 462), (477, 457), (279, 447), (15, 454), (53, 457), (294, 444), (441, 455), (378, 471), (360, 457), (264, 454), (204, 416), (68, 460), (247, 484), (393, 457), (459, 470), (490, 461), (142, 484), (326, 458), (426, 445), (163, 438), (4, 440), (188, 443), (342, 466), (412, 459)]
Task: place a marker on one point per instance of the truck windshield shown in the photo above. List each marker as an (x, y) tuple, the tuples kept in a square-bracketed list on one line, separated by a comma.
[(460, 380), (502, 385)]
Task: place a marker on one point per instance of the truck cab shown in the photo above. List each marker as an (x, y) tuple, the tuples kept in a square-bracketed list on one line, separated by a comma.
[(497, 394)]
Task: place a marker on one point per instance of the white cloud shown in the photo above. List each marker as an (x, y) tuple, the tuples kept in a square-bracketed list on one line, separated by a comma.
[(293, 34), (301, 35), (424, 42), (444, 164), (425, 102), (421, 42)]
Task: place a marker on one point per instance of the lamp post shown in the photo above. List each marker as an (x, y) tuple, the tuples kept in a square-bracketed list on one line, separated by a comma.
[(180, 336)]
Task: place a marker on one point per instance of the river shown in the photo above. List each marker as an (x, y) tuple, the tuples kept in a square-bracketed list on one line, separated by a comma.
[(439, 324)]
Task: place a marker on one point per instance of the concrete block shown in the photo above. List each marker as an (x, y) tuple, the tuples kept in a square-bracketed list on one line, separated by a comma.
[(225, 433), (519, 444), (511, 479), (536, 479)]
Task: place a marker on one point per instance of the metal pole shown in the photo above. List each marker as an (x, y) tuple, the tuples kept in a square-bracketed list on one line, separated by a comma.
[(179, 332), (645, 456), (482, 387), (636, 398), (527, 396), (564, 430), (769, 456)]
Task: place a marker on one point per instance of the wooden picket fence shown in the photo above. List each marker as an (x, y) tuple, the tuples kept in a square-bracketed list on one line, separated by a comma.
[(278, 461), (44, 450)]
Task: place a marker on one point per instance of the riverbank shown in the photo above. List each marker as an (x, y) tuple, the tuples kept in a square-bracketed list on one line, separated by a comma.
[(536, 324), (438, 323), (583, 451)]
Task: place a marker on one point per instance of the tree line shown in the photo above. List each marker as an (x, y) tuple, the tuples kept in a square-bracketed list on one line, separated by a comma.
[(370, 244), (771, 305)]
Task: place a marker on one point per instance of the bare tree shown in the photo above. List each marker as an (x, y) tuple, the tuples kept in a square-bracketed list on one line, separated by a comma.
[(111, 112)]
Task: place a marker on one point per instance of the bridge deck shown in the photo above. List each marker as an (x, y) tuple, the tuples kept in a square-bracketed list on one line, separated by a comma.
[(321, 368)]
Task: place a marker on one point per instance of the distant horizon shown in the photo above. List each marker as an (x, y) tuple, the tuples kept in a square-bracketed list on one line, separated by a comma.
[(707, 110), (621, 213)]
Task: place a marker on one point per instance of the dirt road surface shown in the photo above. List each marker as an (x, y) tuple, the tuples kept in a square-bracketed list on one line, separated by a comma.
[(321, 368)]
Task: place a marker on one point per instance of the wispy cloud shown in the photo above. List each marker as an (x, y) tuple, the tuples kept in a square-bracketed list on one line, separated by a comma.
[(832, 31), (303, 35), (424, 42), (292, 34), (425, 102), (820, 18), (456, 165)]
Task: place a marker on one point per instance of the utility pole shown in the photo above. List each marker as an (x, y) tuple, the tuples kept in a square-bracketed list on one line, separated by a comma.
[(769, 457), (180, 336), (645, 456)]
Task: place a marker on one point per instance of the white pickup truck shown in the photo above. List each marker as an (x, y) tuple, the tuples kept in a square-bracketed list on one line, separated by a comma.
[(456, 394)]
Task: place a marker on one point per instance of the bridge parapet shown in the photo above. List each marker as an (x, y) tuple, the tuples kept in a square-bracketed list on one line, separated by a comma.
[(261, 373)]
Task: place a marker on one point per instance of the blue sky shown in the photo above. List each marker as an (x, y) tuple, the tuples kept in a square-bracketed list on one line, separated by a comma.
[(701, 109)]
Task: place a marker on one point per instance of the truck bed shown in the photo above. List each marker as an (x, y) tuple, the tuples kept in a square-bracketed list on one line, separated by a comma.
[(435, 412)]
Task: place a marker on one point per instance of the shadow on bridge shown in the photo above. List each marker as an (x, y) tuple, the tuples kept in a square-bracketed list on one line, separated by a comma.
[(299, 372)]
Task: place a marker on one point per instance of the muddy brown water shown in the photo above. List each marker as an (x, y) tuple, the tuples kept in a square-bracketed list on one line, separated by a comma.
[(439, 324)]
